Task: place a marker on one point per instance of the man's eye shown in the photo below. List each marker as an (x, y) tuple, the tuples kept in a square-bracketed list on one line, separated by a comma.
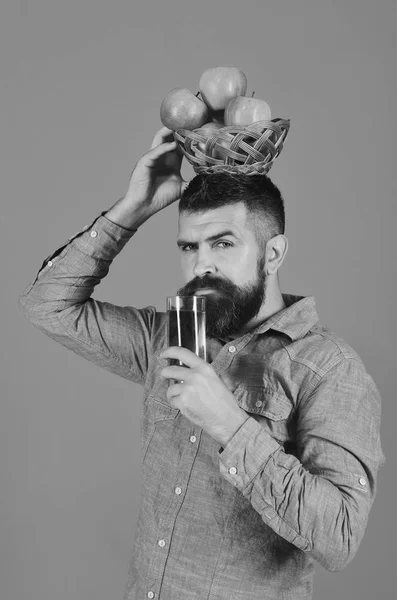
[(225, 244), (186, 248)]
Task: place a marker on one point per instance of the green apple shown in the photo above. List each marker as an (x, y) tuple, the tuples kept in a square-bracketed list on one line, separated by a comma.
[(181, 109), (244, 110), (220, 84)]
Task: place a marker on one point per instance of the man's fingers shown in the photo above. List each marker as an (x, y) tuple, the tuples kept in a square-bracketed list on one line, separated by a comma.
[(163, 135), (174, 390), (161, 149), (175, 372), (184, 355)]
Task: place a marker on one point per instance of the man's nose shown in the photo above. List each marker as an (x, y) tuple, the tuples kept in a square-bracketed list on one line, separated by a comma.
[(203, 264)]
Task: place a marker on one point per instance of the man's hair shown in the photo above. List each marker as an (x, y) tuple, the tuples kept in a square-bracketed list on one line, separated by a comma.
[(262, 198)]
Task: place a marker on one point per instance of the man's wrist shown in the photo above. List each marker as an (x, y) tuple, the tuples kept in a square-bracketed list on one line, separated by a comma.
[(232, 427), (127, 216)]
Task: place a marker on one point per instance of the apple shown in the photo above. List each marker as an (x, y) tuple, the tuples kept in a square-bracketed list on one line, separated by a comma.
[(212, 125), (206, 130), (220, 84), (181, 109), (244, 110)]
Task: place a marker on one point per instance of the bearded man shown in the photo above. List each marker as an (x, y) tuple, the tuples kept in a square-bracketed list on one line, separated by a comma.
[(258, 461)]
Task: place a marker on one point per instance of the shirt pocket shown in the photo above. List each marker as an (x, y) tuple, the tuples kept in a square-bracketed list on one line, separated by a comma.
[(271, 409), (159, 410), (158, 422)]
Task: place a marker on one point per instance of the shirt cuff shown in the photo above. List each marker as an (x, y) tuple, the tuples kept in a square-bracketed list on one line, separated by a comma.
[(246, 454)]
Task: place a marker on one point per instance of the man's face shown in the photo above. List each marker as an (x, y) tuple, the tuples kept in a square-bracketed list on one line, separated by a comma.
[(220, 259)]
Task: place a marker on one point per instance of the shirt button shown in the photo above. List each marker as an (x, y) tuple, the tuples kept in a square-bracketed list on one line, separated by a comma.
[(232, 470), (178, 491), (150, 595), (232, 349), (49, 263), (161, 543), (193, 438), (362, 481), (258, 403), (93, 234)]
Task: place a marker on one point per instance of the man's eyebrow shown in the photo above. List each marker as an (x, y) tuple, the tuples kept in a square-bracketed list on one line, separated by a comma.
[(211, 238)]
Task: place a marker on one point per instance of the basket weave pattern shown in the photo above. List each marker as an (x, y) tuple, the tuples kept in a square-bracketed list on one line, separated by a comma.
[(250, 149)]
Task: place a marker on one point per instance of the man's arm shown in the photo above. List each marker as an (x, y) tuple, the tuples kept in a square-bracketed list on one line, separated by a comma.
[(59, 300), (59, 303), (320, 499), (317, 498)]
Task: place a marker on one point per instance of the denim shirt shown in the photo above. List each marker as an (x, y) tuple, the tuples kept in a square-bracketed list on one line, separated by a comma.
[(296, 482)]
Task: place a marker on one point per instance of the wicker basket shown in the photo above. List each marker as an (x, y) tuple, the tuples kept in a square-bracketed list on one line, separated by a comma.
[(250, 149)]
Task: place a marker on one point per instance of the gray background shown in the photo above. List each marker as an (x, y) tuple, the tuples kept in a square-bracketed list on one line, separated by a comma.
[(81, 86)]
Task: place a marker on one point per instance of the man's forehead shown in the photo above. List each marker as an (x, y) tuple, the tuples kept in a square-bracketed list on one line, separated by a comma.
[(231, 216)]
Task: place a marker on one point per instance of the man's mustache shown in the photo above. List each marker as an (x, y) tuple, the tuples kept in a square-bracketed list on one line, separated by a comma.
[(207, 281)]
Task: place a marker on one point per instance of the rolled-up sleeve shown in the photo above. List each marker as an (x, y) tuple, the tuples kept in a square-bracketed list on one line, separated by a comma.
[(320, 498), (58, 302)]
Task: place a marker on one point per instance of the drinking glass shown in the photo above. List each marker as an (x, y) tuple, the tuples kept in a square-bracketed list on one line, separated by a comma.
[(186, 324)]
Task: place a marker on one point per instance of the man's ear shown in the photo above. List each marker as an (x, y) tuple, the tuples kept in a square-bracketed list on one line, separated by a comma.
[(276, 249)]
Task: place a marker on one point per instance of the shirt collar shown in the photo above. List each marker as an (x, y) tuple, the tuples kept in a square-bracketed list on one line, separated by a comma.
[(295, 320)]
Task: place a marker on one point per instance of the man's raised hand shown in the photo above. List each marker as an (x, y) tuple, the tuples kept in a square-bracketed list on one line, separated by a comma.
[(156, 181)]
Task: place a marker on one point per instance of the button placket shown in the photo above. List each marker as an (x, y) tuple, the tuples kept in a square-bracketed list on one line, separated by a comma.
[(166, 525)]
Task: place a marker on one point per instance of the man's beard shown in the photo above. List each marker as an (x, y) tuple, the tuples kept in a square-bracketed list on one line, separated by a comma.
[(230, 307)]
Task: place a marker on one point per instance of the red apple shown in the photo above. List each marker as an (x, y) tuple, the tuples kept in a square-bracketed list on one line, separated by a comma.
[(244, 110), (181, 109), (220, 84)]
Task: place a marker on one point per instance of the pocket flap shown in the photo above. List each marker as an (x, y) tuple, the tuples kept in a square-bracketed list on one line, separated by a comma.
[(160, 410), (263, 401)]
